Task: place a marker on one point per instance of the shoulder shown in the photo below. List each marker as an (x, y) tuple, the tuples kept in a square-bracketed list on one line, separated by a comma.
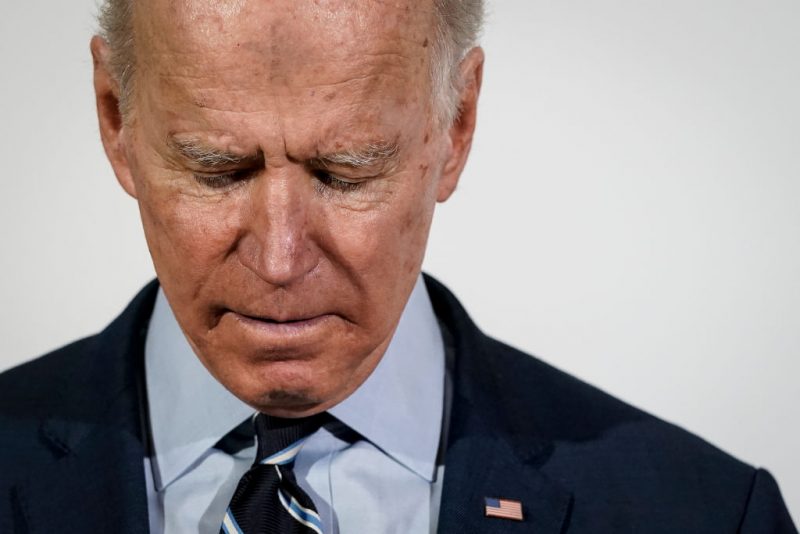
[(583, 419), (626, 467), (32, 394), (526, 396), (35, 390), (78, 366), (32, 384), (618, 462), (70, 385)]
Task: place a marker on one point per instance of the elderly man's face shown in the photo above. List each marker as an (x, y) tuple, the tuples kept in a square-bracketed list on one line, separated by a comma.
[(286, 162)]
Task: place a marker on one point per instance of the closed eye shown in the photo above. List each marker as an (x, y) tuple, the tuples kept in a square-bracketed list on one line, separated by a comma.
[(223, 180), (336, 183), (325, 179)]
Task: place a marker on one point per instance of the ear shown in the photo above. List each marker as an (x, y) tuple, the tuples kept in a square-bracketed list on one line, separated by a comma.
[(112, 128), (463, 128)]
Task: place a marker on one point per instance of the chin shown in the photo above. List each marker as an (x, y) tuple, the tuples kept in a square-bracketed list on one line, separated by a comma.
[(288, 402), (292, 379), (287, 388)]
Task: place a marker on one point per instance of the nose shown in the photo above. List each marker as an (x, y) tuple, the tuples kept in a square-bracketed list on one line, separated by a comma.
[(277, 245)]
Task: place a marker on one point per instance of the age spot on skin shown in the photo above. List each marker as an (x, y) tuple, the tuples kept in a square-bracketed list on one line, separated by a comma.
[(424, 169)]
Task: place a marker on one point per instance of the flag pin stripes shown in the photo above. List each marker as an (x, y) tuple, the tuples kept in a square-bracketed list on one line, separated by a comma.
[(503, 508)]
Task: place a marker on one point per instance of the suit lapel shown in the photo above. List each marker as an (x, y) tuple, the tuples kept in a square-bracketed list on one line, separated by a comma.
[(480, 462), (489, 453), (95, 482), (478, 468)]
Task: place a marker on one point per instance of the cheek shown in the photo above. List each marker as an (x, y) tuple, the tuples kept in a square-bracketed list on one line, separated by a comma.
[(384, 242), (187, 236)]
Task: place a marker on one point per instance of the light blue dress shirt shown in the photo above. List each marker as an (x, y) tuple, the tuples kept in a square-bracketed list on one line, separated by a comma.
[(374, 470)]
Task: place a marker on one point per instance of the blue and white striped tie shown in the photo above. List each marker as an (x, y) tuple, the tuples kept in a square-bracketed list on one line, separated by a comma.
[(268, 499)]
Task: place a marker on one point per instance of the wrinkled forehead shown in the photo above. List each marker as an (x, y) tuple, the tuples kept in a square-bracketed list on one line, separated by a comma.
[(286, 33)]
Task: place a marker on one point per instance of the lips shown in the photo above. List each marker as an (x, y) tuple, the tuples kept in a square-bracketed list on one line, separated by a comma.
[(289, 326), (284, 320)]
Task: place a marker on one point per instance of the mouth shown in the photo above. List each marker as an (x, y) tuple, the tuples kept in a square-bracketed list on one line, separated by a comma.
[(284, 327)]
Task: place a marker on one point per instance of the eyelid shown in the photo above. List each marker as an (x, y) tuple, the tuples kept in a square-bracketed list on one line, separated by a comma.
[(326, 178), (220, 180), (228, 168), (347, 173), (340, 178), (328, 182)]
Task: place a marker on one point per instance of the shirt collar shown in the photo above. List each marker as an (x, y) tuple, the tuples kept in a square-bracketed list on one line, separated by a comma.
[(189, 410), (399, 408)]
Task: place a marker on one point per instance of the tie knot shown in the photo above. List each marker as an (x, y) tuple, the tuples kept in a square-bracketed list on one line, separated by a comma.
[(280, 439)]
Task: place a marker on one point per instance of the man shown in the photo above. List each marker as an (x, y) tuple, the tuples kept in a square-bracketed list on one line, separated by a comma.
[(286, 157)]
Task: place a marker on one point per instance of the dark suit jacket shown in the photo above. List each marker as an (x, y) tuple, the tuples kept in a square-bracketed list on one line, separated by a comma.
[(71, 446)]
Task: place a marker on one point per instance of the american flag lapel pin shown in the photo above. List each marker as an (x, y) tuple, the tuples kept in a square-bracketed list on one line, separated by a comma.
[(503, 508)]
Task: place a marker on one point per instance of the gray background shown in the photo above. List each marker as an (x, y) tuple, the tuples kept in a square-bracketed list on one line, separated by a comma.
[(630, 213)]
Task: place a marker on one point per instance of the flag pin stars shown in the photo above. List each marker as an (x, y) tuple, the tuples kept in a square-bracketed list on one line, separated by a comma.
[(503, 508)]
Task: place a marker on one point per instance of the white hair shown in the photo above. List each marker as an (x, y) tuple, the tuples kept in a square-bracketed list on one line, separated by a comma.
[(458, 27)]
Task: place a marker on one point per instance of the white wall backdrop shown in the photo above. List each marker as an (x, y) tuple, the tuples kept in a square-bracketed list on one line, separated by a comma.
[(631, 211)]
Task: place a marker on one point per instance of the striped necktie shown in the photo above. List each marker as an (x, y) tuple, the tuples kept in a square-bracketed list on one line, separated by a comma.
[(268, 499)]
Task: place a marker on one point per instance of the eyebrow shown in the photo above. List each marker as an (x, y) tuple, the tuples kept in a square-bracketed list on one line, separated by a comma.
[(383, 154), (374, 154), (207, 156)]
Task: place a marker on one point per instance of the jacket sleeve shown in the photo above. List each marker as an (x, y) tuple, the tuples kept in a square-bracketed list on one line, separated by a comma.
[(766, 513)]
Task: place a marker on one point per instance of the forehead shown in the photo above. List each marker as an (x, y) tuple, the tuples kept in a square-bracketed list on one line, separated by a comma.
[(301, 59), (283, 42)]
